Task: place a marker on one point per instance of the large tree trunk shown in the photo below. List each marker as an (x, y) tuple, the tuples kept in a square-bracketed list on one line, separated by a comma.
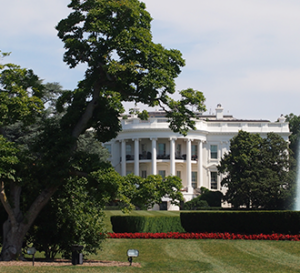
[(16, 227), (12, 241)]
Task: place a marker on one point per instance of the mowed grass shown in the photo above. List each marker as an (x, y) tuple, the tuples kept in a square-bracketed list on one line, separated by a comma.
[(170, 255)]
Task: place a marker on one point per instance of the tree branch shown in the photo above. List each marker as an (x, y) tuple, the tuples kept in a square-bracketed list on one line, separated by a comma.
[(7, 206), (38, 204), (87, 115)]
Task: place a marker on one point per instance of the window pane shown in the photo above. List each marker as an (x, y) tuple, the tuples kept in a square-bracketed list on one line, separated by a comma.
[(144, 174), (194, 180), (162, 173), (213, 180), (194, 149), (108, 147), (178, 150), (214, 151), (178, 174), (143, 148), (161, 148), (194, 152), (128, 149)]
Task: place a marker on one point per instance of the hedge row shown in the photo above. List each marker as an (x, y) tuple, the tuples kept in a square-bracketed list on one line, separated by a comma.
[(152, 224), (245, 222)]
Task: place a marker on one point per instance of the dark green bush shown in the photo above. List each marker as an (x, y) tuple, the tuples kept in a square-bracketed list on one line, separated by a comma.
[(195, 204), (151, 224), (206, 199), (213, 198), (246, 222)]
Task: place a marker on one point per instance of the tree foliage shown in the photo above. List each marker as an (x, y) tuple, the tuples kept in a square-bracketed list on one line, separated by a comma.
[(145, 192), (206, 199), (294, 138), (113, 38), (72, 216), (256, 171)]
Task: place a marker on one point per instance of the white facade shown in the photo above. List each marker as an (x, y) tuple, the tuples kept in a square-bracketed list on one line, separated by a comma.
[(150, 147)]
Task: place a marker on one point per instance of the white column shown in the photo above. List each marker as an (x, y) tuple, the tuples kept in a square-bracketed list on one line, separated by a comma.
[(123, 156), (154, 168), (200, 167), (136, 156), (172, 156), (189, 166)]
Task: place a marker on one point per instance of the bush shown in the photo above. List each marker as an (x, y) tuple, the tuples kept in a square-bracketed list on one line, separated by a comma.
[(195, 204), (151, 224), (247, 222), (213, 198), (68, 220), (205, 200)]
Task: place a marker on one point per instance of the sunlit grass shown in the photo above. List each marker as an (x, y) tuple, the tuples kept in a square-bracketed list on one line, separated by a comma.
[(171, 255)]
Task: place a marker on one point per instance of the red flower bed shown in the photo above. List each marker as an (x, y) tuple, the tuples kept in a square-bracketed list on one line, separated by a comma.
[(225, 236)]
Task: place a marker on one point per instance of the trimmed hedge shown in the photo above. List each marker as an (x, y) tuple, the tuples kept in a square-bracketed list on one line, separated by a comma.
[(152, 224), (245, 222)]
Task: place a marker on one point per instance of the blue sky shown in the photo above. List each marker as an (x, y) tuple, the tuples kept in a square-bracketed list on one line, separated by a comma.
[(244, 54)]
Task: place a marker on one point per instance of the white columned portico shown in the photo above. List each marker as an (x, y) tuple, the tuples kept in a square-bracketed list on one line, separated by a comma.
[(136, 156), (154, 168), (189, 165), (200, 163), (172, 156), (123, 156)]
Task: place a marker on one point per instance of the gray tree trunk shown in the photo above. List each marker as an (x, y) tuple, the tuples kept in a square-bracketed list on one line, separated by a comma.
[(16, 227), (12, 241)]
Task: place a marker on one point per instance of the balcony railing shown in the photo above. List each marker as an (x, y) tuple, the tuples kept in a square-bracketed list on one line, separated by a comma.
[(164, 157)]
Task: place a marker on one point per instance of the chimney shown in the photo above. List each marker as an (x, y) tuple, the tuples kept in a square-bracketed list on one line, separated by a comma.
[(282, 118), (219, 112)]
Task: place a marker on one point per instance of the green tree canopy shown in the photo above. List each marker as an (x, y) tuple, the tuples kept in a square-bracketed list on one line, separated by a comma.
[(113, 38), (256, 171), (294, 125)]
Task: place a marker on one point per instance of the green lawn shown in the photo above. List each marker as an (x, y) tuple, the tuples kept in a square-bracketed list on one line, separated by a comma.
[(166, 255)]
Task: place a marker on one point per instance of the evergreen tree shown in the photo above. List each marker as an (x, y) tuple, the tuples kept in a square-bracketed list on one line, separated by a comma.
[(257, 172)]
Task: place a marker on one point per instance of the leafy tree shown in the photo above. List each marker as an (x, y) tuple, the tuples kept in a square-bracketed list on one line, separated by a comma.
[(113, 38), (257, 171), (72, 216), (145, 192), (294, 138), (20, 93)]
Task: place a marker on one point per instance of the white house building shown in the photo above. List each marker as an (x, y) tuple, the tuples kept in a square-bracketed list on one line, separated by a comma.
[(151, 147)]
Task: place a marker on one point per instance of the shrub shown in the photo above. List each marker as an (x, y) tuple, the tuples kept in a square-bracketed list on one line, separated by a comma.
[(151, 224), (205, 200), (247, 222), (195, 204)]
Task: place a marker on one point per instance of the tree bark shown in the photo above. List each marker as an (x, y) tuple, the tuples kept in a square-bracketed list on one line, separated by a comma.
[(12, 241), (17, 225)]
